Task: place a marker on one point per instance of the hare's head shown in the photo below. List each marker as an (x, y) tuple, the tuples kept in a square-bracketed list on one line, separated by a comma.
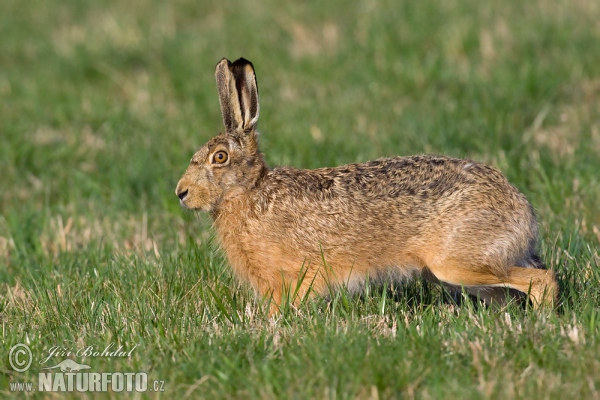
[(229, 163)]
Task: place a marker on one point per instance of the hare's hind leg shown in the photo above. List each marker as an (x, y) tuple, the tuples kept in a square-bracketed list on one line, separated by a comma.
[(539, 284), (489, 295)]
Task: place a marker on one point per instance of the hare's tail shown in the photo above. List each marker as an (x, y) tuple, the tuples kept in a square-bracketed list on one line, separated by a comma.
[(536, 262)]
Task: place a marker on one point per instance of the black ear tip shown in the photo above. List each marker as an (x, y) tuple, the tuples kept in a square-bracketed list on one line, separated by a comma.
[(242, 62)]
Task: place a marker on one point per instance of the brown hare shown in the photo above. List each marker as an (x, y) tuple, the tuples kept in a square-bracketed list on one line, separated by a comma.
[(455, 221)]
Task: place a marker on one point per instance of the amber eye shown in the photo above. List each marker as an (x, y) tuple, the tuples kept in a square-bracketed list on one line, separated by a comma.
[(220, 157)]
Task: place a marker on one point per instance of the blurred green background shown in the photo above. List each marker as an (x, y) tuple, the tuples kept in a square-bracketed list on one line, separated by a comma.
[(103, 103)]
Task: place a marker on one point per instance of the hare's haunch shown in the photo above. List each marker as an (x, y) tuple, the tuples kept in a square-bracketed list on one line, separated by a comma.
[(455, 221)]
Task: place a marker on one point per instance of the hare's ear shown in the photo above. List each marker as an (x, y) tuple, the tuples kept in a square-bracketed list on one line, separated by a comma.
[(238, 94)]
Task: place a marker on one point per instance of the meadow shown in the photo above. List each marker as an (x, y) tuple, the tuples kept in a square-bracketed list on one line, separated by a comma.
[(103, 103)]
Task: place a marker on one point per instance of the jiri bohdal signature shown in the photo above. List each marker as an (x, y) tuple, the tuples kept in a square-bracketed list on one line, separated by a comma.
[(111, 350)]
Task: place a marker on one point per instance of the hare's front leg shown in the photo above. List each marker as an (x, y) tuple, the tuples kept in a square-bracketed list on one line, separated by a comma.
[(269, 293), (282, 295), (289, 290)]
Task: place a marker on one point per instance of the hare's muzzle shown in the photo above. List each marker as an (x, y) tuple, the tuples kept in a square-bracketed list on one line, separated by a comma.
[(181, 192)]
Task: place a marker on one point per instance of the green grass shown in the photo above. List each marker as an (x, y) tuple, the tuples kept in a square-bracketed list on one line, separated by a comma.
[(103, 103)]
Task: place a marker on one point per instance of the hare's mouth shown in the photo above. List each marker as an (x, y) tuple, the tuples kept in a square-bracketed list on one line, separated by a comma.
[(192, 202)]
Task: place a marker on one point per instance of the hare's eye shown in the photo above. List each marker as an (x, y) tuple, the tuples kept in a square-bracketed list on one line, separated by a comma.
[(220, 157)]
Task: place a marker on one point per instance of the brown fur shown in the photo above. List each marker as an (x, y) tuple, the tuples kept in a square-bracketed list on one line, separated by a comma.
[(457, 221)]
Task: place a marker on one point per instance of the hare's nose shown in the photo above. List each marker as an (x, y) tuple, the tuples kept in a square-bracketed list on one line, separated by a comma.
[(182, 194)]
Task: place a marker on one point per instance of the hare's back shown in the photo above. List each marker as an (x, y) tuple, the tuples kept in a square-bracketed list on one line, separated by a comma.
[(416, 193), (424, 180)]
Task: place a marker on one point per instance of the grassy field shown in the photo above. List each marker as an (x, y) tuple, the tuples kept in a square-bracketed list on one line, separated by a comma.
[(103, 103)]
